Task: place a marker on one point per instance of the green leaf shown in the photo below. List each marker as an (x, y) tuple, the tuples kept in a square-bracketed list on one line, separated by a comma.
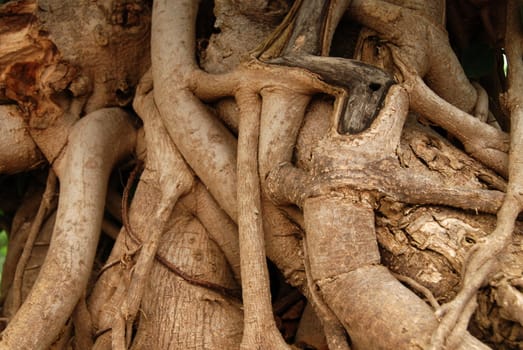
[(3, 239), (3, 250)]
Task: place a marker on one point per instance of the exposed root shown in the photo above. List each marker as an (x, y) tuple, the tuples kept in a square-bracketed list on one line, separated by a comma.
[(125, 208), (482, 260), (462, 324), (335, 334), (420, 288), (337, 269), (423, 45), (259, 331), (174, 179), (481, 110), (510, 301), (18, 152), (96, 143), (46, 205), (482, 141), (83, 326), (425, 54)]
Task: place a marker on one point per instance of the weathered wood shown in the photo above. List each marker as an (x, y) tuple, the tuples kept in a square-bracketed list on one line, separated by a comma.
[(366, 87)]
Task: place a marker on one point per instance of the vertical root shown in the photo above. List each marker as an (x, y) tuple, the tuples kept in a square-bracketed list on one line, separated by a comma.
[(174, 179), (43, 210), (332, 327), (260, 331), (83, 326), (96, 143), (481, 110), (481, 262)]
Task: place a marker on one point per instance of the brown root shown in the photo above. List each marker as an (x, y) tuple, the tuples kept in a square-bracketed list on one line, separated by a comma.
[(174, 180), (481, 141), (259, 331), (426, 47), (18, 152), (46, 205), (83, 173), (482, 261)]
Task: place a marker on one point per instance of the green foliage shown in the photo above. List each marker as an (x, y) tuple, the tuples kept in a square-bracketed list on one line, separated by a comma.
[(3, 245), (3, 250)]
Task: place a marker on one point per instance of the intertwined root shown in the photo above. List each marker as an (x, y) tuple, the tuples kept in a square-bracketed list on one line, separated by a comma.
[(272, 95), (96, 144)]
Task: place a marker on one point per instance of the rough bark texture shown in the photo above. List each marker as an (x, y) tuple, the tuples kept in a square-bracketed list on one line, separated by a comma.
[(180, 174)]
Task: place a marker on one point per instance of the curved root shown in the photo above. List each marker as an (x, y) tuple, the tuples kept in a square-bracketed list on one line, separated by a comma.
[(482, 261), (174, 179), (96, 143), (18, 152)]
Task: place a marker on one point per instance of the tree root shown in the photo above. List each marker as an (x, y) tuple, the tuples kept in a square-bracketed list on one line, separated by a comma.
[(423, 44), (83, 326), (96, 143), (482, 141), (192, 124), (335, 333), (260, 330), (481, 109), (482, 260), (258, 316), (18, 152), (420, 288), (174, 179), (426, 54), (332, 270), (43, 210), (510, 300)]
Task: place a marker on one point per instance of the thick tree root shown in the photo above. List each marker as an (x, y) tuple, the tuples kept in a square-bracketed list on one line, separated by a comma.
[(96, 143), (482, 141), (426, 54), (334, 330), (339, 218), (423, 45), (18, 152), (369, 283), (174, 180), (259, 331), (482, 261)]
